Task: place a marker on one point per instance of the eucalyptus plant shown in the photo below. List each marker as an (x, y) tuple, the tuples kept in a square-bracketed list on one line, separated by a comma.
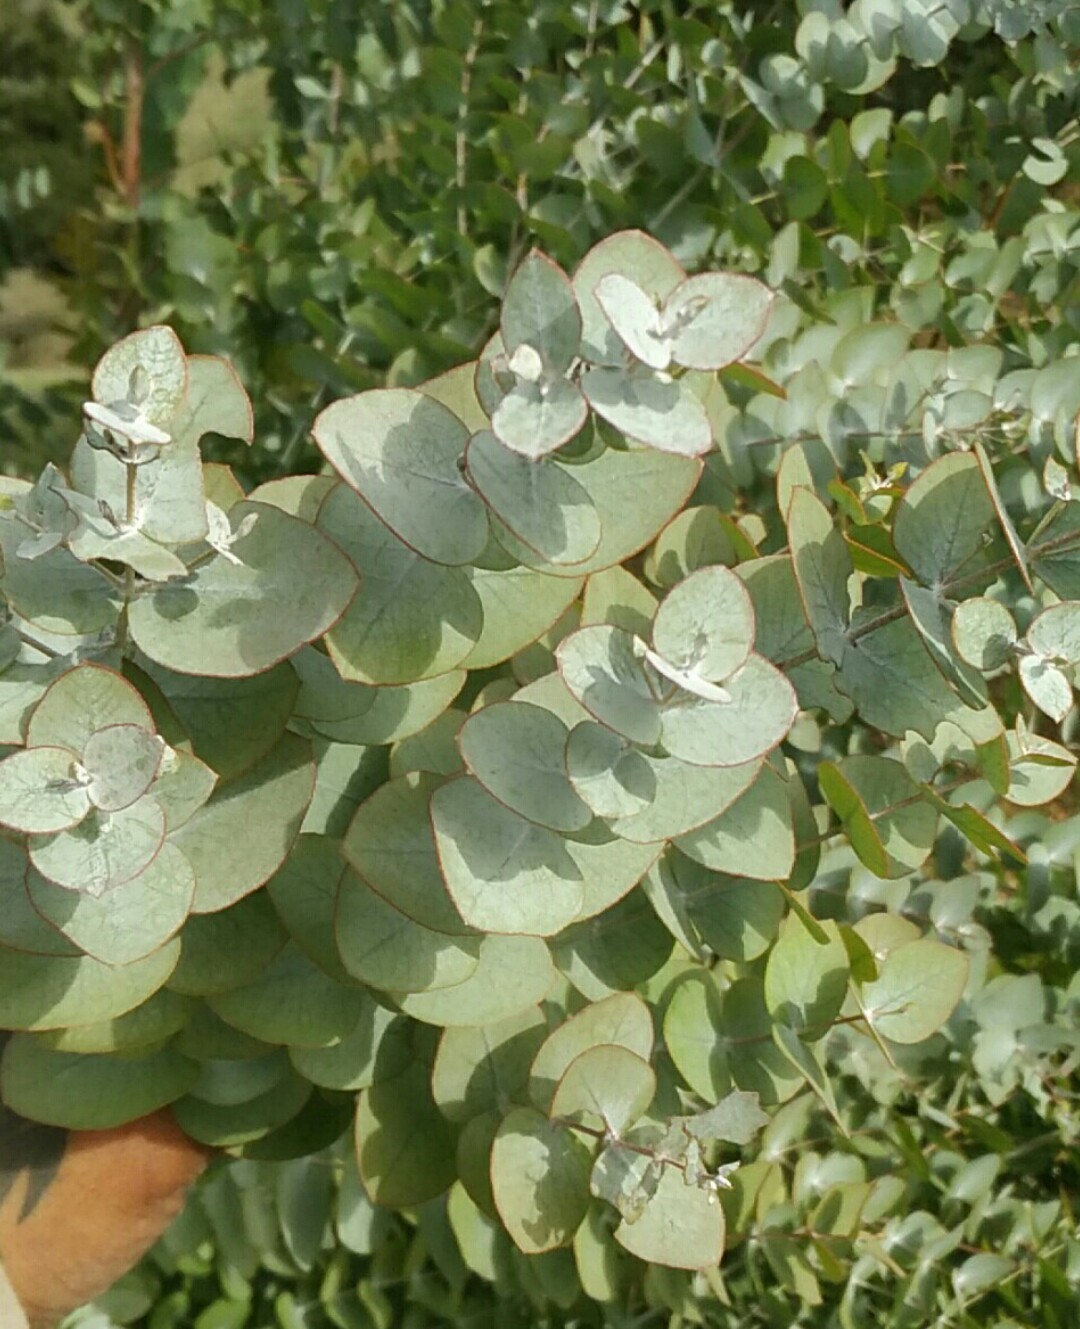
[(512, 788)]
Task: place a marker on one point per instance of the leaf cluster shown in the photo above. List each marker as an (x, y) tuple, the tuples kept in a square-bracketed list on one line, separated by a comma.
[(630, 786)]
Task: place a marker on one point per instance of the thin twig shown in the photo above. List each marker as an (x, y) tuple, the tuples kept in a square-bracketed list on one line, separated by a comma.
[(461, 141)]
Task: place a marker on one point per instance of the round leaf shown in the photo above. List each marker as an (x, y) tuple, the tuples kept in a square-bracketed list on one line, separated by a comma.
[(228, 1126), (54, 591), (654, 269), (538, 500), (378, 1047), (104, 850), (387, 950), (391, 844), (412, 619), (157, 354), (706, 624), (231, 722), (622, 1019), (41, 792), (600, 667), (400, 451), (635, 318), (917, 990), (519, 605), (504, 874), (681, 1226), (517, 752), (762, 818), (983, 632), (686, 797), (607, 1087), (291, 1001), (304, 894), (478, 1070), (121, 761), (714, 318), (536, 418), (132, 920), (243, 834), (760, 709), (1048, 686), (89, 1093), (513, 974), (404, 1145), (1039, 770), (232, 617), (1055, 634), (539, 310), (228, 949), (540, 1180), (53, 992), (81, 701), (805, 980), (635, 494), (657, 411), (612, 778)]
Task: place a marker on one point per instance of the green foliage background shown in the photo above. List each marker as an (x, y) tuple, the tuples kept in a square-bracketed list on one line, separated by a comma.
[(334, 195)]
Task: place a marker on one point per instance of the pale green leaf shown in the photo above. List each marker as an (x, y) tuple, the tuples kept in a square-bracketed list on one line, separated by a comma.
[(622, 1019), (404, 1146), (81, 701), (540, 1180), (760, 708), (52, 992), (400, 451), (237, 616), (129, 922), (388, 950), (241, 836), (917, 990), (104, 850), (89, 1092), (40, 790), (761, 818), (478, 1070), (513, 974), (706, 624), (518, 753), (610, 776), (228, 949), (413, 618), (391, 844), (292, 1002), (156, 353), (657, 411), (232, 722), (538, 500), (538, 415), (681, 1226), (121, 762), (600, 667), (983, 632), (607, 1087), (941, 519), (519, 605)]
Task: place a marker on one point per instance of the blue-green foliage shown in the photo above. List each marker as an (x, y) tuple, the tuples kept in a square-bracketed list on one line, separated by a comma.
[(632, 781)]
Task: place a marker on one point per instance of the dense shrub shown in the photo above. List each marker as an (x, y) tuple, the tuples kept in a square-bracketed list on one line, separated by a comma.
[(853, 505)]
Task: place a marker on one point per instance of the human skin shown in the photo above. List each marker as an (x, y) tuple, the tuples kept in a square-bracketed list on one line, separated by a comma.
[(79, 1208)]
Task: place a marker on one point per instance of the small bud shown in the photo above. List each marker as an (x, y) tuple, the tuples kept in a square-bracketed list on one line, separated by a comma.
[(221, 537)]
